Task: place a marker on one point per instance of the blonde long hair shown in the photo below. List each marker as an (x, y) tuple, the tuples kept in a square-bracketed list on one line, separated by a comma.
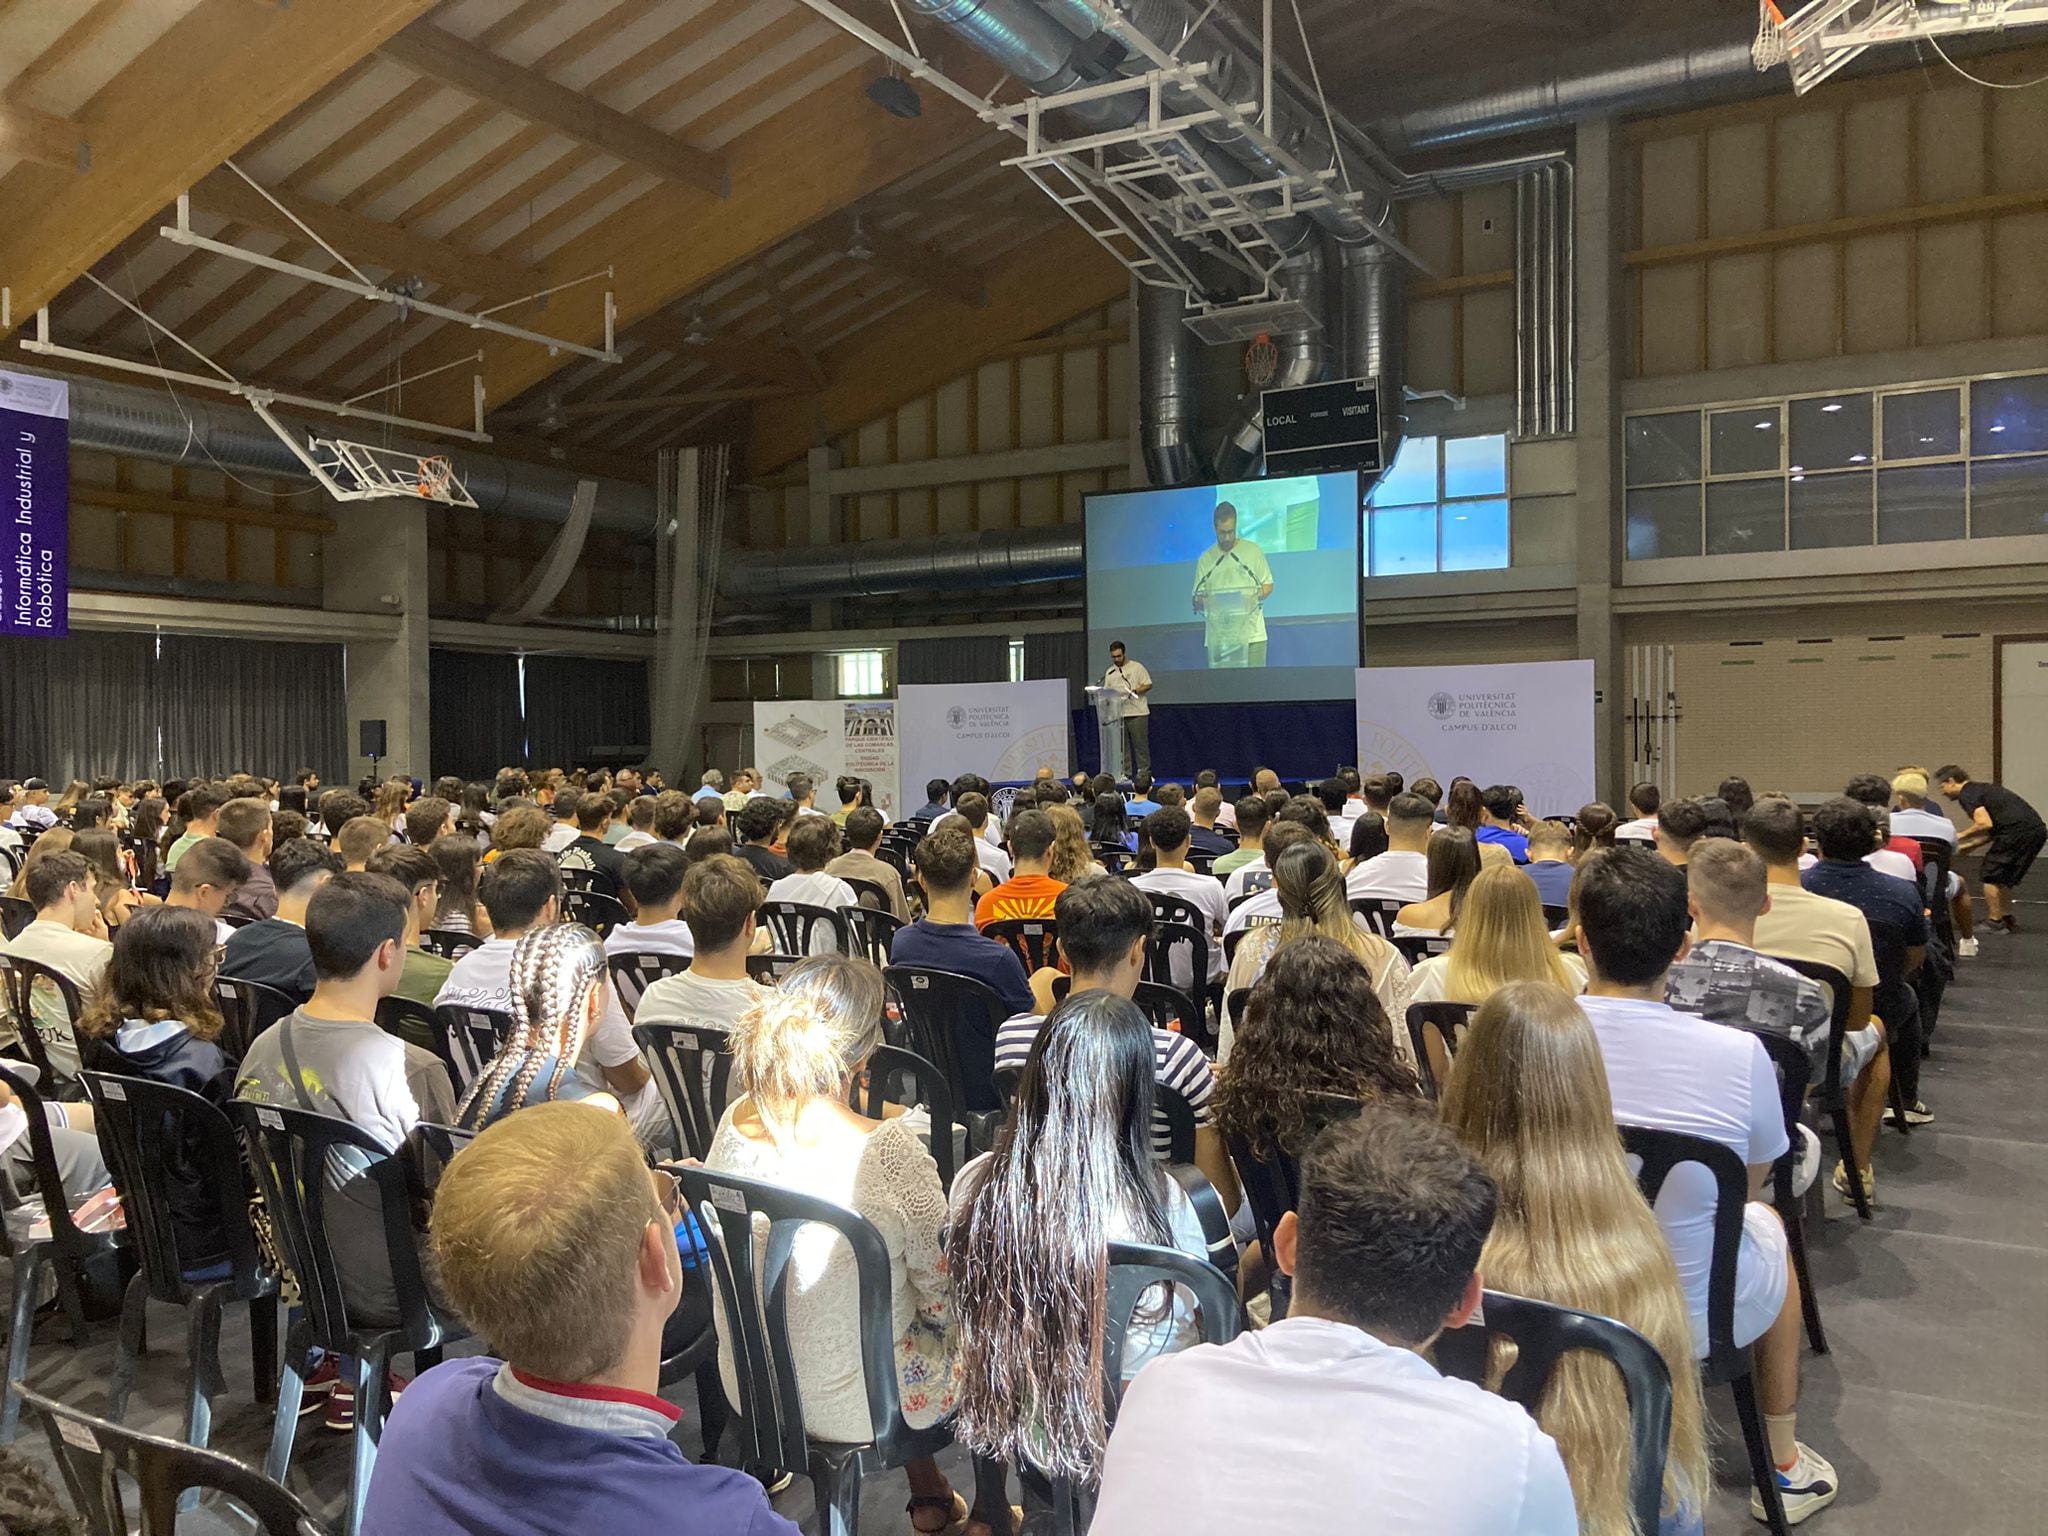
[(1501, 937), (1313, 901), (1528, 1094), (802, 1040), (1072, 858)]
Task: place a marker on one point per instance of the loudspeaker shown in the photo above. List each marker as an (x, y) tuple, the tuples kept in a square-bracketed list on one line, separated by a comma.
[(372, 732)]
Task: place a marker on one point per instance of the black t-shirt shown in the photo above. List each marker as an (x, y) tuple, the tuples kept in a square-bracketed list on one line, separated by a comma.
[(2009, 813), (273, 952), (768, 864), (592, 853)]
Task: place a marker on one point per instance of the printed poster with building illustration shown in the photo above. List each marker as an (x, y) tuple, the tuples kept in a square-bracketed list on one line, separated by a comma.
[(826, 738)]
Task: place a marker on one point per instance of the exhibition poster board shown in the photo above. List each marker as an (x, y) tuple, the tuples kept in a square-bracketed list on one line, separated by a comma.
[(1525, 723), (826, 738)]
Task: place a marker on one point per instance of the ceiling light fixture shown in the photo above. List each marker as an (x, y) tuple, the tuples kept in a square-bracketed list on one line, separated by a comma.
[(857, 248), (894, 96), (699, 332)]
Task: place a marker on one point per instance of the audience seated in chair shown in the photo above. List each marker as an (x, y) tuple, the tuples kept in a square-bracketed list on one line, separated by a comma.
[(814, 843), (1251, 816), (1308, 894), (1028, 1245), (570, 1282), (654, 877), (1383, 1252), (1644, 800), (1402, 872), (1030, 891), (329, 1056), (557, 982), (154, 1017), (1672, 1071), (1550, 862), (413, 867), (70, 937), (864, 827), (1104, 926), (1528, 1095), (720, 896), (1071, 859), (794, 1054), (1169, 830), (1680, 824), (520, 890), (1451, 865), (945, 938), (247, 824), (206, 880), (1503, 821), (1501, 937), (201, 806), (458, 860), (1205, 809), (274, 951), (359, 839), (589, 852), (1724, 977), (755, 830)]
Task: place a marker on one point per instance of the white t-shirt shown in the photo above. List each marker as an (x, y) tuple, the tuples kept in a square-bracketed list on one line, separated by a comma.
[(1883, 860), (1676, 1071), (1341, 823), (1205, 894), (1254, 874), (1642, 830), (81, 959), (1923, 823), (671, 937), (560, 836), (634, 839), (1362, 1435), (1393, 876), (813, 889), (692, 998), (994, 860), (1131, 675)]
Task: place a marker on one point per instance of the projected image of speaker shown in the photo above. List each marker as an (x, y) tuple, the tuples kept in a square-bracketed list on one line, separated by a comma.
[(1233, 593)]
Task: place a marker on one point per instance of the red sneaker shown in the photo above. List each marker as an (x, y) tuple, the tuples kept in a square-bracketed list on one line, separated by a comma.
[(319, 1387), (341, 1403)]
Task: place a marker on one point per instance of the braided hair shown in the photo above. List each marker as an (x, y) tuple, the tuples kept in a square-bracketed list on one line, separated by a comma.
[(554, 972)]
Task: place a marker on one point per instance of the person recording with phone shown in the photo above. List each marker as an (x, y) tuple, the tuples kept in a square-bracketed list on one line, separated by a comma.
[(1232, 583)]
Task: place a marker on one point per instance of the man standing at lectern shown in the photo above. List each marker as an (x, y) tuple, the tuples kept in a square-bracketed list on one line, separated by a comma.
[(1232, 583), (1126, 673)]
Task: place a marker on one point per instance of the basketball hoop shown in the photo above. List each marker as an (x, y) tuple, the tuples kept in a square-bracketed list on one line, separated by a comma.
[(437, 476), (1261, 361), (352, 471), (1768, 51)]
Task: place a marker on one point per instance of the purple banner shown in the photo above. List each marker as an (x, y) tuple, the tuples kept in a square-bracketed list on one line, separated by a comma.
[(35, 572)]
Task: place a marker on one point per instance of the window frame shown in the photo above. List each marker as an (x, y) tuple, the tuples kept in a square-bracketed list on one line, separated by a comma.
[(1438, 508), (878, 656)]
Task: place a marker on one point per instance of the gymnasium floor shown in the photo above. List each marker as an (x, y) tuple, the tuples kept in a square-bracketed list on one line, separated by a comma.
[(1933, 1403)]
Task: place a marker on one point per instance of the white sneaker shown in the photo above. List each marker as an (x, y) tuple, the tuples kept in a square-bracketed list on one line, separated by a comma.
[(1806, 1166), (1966, 948), (1807, 1488)]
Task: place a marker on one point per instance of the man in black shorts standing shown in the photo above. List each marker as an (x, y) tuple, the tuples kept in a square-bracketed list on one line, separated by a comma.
[(2009, 830)]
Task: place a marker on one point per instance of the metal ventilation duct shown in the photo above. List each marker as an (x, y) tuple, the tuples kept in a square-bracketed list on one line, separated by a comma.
[(150, 424), (948, 563), (1304, 359), (1167, 399), (1373, 311)]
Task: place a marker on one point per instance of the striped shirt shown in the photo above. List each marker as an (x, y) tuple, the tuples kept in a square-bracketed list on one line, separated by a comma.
[(1177, 1063)]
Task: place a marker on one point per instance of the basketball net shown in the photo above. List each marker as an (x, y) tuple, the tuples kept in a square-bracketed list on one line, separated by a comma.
[(1261, 361), (1768, 51), (435, 477)]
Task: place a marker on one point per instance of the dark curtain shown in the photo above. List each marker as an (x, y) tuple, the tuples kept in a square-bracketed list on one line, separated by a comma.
[(971, 659), (577, 703), (1297, 741), (267, 707), (1063, 655), (78, 707), (476, 724)]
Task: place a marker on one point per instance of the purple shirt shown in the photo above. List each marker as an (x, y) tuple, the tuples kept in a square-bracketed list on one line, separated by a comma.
[(471, 1447)]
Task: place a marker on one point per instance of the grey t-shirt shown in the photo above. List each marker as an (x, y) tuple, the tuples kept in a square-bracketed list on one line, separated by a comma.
[(355, 1071)]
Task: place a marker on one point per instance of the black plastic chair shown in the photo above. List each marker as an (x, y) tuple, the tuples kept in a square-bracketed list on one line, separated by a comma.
[(1555, 917), (770, 969), (794, 926), (1417, 947), (67, 1248), (1379, 912), (871, 894), (1543, 1334), (1134, 1270), (22, 978), (1937, 857), (1894, 993), (1834, 1097), (897, 1076), (1433, 1032), (692, 1069), (1113, 857), (89, 1452), (634, 971), (1794, 1069), (953, 1021), (754, 1277), (466, 1038), (596, 909), (579, 879), (412, 1022), (897, 857), (1033, 940), (449, 943), (15, 915), (1270, 1177), (151, 1133), (299, 1156), (872, 931), (247, 1008), (1725, 1361)]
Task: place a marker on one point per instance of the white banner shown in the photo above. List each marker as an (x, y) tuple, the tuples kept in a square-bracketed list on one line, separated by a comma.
[(1005, 732), (827, 738), (1523, 723)]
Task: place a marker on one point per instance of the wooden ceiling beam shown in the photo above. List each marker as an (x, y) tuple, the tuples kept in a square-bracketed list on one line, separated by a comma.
[(42, 139), (240, 68), (636, 405), (900, 256), (1056, 278), (526, 93), (784, 180), (744, 356), (372, 241)]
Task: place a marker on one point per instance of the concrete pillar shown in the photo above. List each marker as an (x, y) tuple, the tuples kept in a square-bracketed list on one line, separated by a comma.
[(824, 527), (376, 562), (1599, 165), (676, 679)]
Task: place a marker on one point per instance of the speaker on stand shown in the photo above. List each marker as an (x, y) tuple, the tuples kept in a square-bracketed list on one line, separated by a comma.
[(371, 744)]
